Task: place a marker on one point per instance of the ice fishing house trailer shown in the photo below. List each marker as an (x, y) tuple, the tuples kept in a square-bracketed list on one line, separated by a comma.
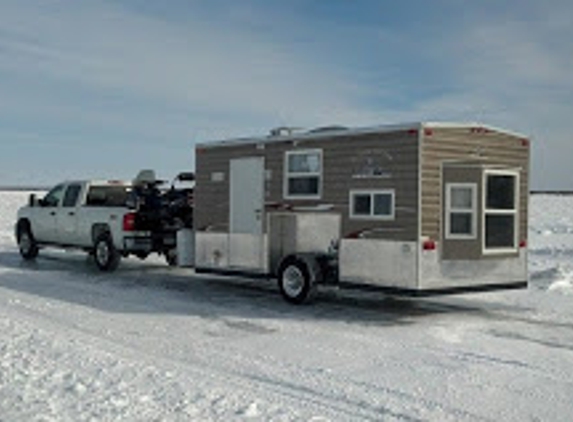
[(423, 208)]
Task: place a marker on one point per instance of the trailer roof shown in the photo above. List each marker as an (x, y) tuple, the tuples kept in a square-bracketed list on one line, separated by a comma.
[(334, 131)]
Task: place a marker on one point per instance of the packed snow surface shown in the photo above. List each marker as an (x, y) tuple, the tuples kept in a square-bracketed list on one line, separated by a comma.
[(150, 342)]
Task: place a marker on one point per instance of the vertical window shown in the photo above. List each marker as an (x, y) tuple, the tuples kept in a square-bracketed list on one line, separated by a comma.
[(71, 196), (303, 174), (500, 211), (378, 204), (461, 209)]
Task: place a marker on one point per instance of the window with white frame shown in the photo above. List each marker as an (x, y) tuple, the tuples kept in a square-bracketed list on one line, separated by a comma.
[(375, 204), (303, 174), (500, 210), (461, 210)]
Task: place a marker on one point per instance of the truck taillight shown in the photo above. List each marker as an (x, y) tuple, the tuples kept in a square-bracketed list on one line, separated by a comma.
[(129, 222)]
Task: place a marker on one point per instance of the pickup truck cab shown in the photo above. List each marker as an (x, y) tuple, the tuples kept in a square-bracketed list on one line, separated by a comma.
[(89, 215)]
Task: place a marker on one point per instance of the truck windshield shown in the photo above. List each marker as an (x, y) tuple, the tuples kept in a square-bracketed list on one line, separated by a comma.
[(107, 196)]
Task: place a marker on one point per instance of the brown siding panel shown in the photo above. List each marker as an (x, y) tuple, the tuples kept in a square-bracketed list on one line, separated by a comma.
[(343, 156)]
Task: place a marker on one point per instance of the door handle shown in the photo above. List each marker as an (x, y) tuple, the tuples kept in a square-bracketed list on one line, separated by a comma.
[(71, 213), (53, 213)]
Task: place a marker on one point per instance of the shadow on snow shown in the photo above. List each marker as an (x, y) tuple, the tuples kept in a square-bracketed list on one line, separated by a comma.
[(153, 287)]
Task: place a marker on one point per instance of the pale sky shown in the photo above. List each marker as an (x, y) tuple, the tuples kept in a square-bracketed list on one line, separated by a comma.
[(101, 89)]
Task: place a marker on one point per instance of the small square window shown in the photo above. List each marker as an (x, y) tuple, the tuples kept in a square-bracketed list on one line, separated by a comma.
[(372, 204)]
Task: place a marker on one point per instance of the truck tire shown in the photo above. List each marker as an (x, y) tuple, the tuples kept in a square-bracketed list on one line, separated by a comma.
[(26, 242), (295, 281), (106, 256)]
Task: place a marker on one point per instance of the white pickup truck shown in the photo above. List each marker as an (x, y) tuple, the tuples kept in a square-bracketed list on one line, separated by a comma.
[(89, 215)]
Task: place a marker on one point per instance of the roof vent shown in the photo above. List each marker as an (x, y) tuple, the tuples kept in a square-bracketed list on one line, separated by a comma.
[(284, 130), (332, 128)]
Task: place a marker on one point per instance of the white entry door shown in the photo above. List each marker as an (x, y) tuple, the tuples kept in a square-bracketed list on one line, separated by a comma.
[(246, 213)]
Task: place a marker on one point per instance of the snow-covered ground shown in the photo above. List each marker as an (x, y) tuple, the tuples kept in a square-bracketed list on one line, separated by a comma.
[(151, 342)]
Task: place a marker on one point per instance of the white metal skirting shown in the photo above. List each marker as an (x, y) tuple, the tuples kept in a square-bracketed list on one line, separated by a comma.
[(436, 273), (231, 251), (379, 262)]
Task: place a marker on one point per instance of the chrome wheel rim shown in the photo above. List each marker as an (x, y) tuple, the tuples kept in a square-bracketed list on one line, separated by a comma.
[(25, 242), (102, 252), (293, 281)]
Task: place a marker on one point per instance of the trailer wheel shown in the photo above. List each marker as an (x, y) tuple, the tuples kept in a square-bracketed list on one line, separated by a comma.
[(106, 255), (26, 243), (295, 282)]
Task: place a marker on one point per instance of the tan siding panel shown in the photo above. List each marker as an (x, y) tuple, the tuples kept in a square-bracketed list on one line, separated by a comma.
[(489, 149)]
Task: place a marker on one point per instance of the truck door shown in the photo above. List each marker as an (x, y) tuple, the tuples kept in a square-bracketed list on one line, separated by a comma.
[(45, 217), (67, 221), (246, 213)]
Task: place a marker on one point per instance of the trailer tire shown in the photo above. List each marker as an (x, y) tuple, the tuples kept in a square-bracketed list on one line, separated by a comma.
[(295, 280), (27, 244), (106, 256)]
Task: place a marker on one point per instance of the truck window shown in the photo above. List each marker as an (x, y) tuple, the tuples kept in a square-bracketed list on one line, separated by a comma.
[(52, 198), (107, 196), (71, 196)]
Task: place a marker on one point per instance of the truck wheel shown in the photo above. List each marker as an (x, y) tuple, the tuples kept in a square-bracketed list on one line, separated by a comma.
[(295, 282), (106, 255), (26, 243)]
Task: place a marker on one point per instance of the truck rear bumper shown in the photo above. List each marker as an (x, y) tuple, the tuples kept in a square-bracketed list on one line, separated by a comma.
[(137, 244)]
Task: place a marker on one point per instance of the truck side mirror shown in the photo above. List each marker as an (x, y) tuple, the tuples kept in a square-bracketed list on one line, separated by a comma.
[(32, 201)]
